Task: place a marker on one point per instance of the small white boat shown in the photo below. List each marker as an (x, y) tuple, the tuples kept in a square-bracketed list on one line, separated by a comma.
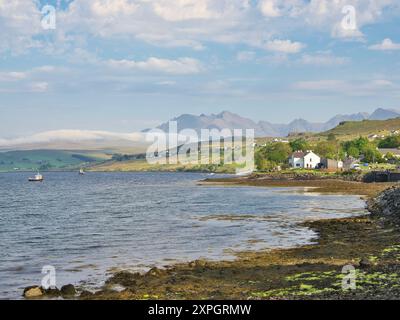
[(81, 172), (37, 178)]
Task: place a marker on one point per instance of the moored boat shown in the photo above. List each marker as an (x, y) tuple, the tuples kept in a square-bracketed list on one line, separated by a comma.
[(37, 178)]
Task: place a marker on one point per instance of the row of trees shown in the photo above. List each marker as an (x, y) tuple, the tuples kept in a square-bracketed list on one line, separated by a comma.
[(274, 154)]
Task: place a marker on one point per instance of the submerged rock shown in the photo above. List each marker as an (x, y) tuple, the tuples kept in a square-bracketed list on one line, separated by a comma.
[(33, 292), (68, 290)]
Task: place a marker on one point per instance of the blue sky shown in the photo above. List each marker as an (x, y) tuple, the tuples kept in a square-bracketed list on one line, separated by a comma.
[(127, 65)]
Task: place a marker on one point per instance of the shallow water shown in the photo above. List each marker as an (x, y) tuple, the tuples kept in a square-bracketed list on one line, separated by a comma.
[(86, 225)]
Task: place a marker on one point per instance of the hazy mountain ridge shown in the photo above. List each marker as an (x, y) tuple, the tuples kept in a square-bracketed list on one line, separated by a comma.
[(232, 121), (136, 142)]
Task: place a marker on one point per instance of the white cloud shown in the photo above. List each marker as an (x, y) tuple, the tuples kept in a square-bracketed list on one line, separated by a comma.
[(382, 83), (269, 9), (34, 80), (184, 10), (180, 66), (349, 88), (386, 45), (327, 15), (245, 56), (12, 76), (180, 23), (113, 7), (279, 8), (330, 85), (70, 136), (323, 59), (160, 22), (284, 46), (19, 23), (38, 86)]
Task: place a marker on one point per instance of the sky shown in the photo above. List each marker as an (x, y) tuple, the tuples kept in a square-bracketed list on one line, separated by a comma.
[(127, 65)]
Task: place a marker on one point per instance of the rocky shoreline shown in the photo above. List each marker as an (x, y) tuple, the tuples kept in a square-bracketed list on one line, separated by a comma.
[(371, 244), (386, 205)]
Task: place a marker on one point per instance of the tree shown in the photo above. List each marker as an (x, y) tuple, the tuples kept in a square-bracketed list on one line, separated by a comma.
[(272, 155), (371, 155), (329, 149), (278, 152), (353, 152), (390, 142), (299, 144), (357, 146)]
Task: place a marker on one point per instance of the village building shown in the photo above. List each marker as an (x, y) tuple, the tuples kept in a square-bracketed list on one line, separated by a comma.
[(331, 164), (304, 160)]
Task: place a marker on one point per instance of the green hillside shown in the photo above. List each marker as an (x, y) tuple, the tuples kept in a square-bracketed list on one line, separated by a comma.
[(46, 159), (353, 129)]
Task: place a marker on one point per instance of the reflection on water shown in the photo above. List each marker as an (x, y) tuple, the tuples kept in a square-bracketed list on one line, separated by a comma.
[(86, 225)]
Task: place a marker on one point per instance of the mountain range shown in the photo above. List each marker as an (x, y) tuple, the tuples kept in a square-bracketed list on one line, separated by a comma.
[(232, 121), (113, 142)]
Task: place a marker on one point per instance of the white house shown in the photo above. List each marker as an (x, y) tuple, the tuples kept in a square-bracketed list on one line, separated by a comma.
[(304, 160)]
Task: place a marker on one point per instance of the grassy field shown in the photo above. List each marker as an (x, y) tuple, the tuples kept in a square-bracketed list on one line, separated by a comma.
[(48, 159)]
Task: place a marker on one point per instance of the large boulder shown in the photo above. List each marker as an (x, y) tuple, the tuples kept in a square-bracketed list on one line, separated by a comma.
[(68, 290), (33, 292)]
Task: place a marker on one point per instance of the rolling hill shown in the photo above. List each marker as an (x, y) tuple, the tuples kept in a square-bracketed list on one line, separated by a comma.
[(352, 129), (33, 160)]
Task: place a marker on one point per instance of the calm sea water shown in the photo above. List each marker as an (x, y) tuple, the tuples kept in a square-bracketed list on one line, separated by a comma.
[(85, 226)]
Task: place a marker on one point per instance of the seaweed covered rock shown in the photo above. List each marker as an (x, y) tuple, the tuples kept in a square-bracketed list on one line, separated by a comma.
[(124, 278), (155, 272), (386, 204)]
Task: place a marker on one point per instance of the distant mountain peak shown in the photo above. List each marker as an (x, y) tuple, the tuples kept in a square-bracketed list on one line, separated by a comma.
[(384, 114), (230, 120), (227, 114)]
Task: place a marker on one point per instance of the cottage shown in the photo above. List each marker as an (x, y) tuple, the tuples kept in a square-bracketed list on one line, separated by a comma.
[(304, 160)]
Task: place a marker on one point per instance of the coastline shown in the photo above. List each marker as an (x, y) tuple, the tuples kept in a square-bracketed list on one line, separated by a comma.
[(369, 243), (307, 272)]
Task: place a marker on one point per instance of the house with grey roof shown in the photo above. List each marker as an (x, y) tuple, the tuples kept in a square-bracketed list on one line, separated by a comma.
[(304, 160)]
